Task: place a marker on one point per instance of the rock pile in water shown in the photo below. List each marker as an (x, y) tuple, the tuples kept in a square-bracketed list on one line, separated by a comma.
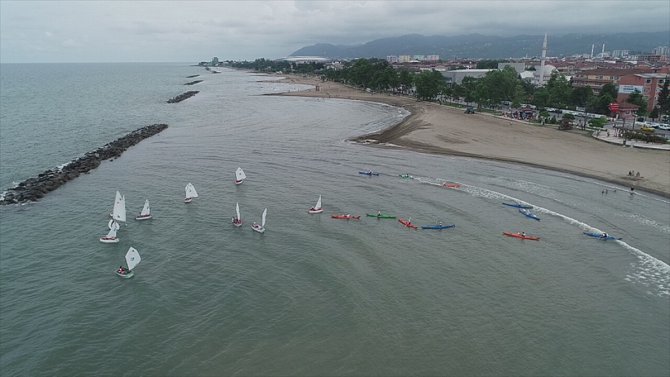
[(35, 188), (183, 96), (193, 82)]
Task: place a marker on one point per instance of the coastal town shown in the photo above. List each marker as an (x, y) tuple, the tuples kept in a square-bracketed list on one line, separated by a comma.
[(629, 91)]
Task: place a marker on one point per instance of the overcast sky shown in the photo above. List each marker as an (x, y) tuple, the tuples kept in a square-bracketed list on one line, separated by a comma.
[(190, 31)]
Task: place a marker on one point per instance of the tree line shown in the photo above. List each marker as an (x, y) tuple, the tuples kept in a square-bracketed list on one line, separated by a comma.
[(495, 87)]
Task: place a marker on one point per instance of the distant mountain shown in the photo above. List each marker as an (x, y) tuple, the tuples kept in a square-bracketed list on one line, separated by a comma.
[(479, 46)]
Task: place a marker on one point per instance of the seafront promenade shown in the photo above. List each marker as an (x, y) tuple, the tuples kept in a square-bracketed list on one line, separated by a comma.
[(630, 143)]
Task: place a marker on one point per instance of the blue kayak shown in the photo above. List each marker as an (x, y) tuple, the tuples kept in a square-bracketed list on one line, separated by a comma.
[(370, 173), (438, 226), (600, 236), (518, 205), (529, 214)]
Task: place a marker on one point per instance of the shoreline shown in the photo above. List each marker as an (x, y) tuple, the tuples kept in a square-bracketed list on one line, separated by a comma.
[(443, 130)]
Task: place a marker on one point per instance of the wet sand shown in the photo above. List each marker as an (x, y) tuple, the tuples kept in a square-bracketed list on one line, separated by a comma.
[(438, 129)]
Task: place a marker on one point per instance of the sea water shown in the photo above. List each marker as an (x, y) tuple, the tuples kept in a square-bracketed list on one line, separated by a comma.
[(312, 295)]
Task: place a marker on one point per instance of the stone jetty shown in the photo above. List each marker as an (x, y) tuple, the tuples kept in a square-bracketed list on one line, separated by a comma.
[(35, 188), (183, 96), (193, 82)]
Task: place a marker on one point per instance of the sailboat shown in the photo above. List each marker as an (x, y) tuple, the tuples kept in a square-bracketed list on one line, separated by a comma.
[(146, 212), (317, 208), (132, 260), (111, 236), (239, 176), (237, 220), (260, 228), (190, 193), (119, 210)]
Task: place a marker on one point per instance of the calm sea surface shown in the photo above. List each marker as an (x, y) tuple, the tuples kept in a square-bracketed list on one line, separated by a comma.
[(313, 295)]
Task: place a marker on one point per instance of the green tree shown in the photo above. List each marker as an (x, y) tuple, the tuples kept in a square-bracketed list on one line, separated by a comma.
[(608, 89), (428, 84), (581, 96), (406, 80), (499, 85), (469, 89), (559, 91), (636, 98), (664, 98)]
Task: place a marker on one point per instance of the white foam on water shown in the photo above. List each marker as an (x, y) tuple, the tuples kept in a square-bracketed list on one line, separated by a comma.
[(651, 223), (649, 271)]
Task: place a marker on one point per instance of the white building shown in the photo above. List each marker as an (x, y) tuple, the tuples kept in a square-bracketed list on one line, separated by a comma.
[(456, 76)]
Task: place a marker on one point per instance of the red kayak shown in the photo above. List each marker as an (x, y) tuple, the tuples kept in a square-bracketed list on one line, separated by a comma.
[(345, 217), (452, 185), (521, 236), (407, 223)]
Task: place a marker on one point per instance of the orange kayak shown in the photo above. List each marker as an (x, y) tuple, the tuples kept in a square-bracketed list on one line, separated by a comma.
[(521, 236), (407, 223)]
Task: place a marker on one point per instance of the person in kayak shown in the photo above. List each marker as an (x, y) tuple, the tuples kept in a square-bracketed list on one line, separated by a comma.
[(523, 234), (604, 235), (379, 213)]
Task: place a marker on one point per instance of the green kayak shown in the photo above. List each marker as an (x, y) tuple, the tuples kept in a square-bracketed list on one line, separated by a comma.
[(381, 216)]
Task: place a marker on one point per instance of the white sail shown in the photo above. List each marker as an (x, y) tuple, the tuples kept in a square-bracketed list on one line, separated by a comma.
[(112, 232), (265, 212), (190, 191), (132, 258), (237, 210), (318, 203), (119, 212), (239, 174), (113, 225), (146, 211)]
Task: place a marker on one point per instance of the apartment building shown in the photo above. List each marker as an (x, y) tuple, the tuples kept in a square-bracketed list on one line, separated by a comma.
[(648, 84), (596, 78)]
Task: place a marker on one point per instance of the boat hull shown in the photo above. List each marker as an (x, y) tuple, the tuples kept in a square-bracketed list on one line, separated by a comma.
[(237, 223), (382, 216), (407, 224), (188, 200), (147, 217), (520, 236), (239, 182), (127, 275), (437, 227), (315, 211), (368, 173), (518, 205), (600, 237), (528, 214), (109, 240), (258, 228)]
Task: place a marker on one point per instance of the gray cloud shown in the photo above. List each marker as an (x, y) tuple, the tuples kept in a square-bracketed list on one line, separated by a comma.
[(77, 31)]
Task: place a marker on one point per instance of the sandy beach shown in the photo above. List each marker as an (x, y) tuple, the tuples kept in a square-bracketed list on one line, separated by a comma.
[(434, 128)]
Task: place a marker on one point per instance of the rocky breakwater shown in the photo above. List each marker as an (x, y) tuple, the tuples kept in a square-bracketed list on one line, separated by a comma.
[(193, 82), (35, 188), (183, 96)]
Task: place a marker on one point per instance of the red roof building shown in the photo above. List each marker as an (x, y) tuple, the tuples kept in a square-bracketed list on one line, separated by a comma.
[(648, 84)]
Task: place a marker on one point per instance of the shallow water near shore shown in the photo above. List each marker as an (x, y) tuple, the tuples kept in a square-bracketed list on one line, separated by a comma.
[(313, 295)]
